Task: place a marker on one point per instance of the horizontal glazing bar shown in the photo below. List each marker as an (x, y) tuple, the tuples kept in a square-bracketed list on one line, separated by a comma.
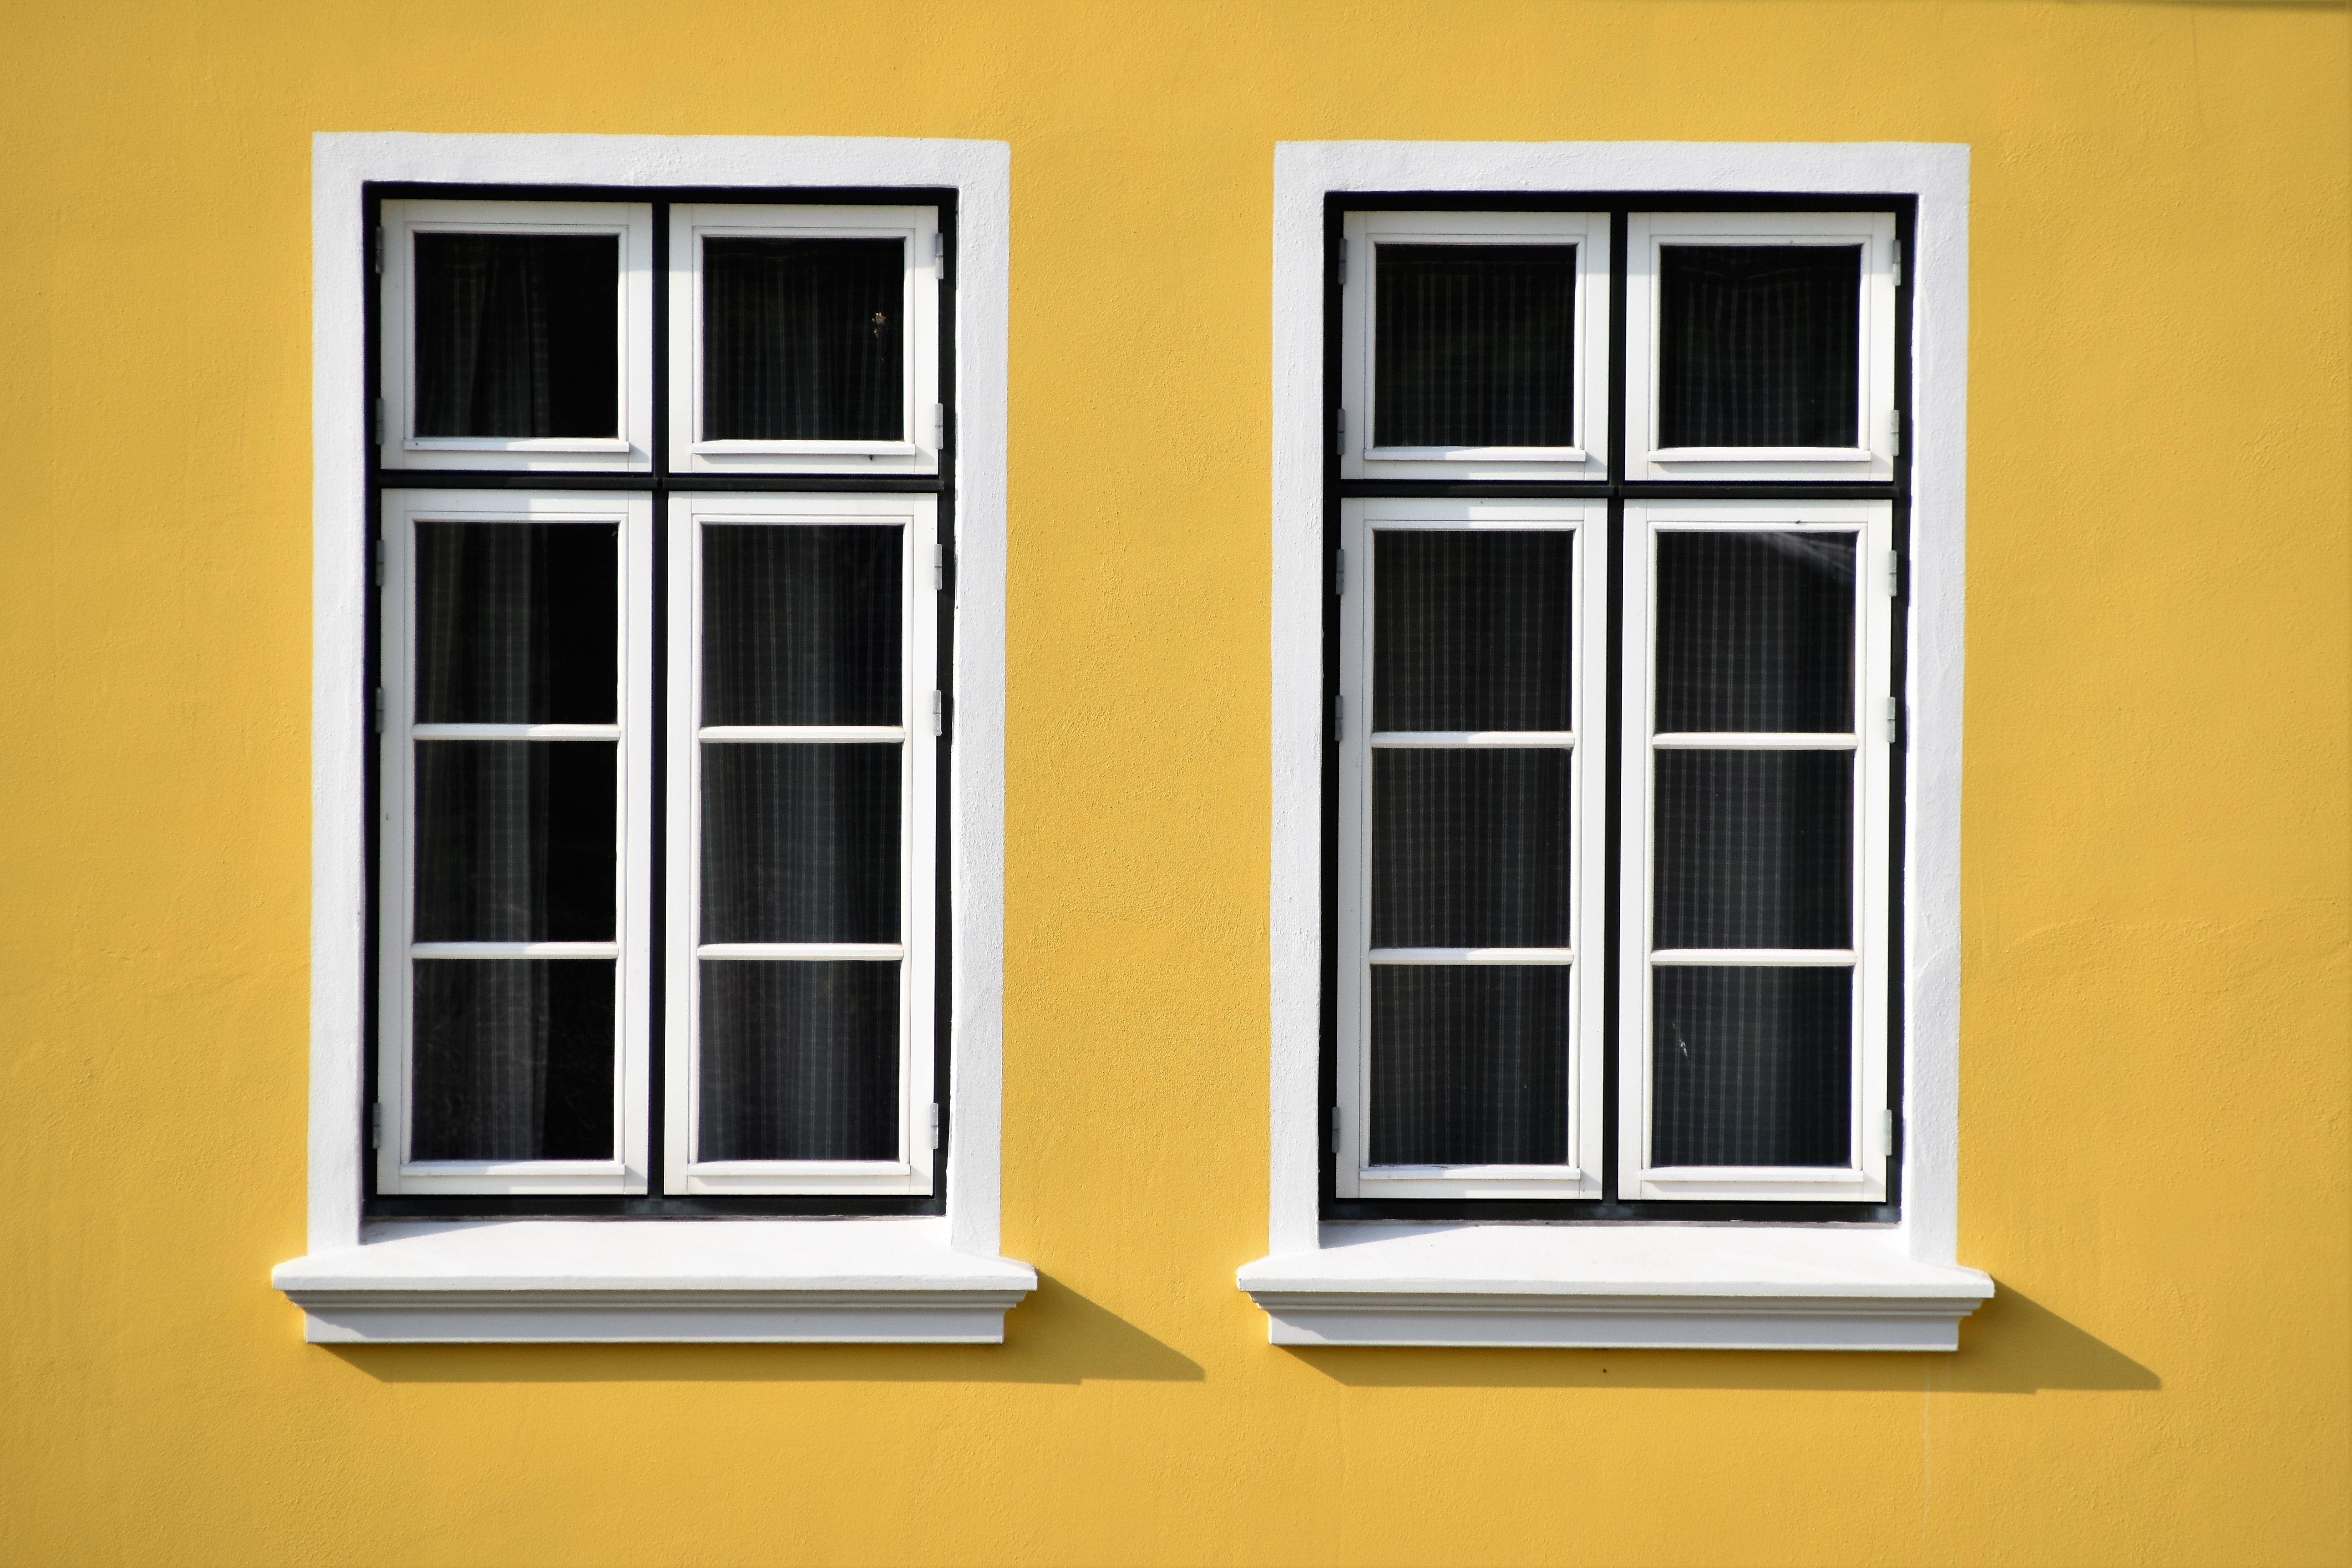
[(514, 949), (1473, 956), (1470, 1172), (802, 951), (515, 732), (806, 734), (1826, 1175), (1468, 739), (714, 1168), (1756, 957), (1752, 740)]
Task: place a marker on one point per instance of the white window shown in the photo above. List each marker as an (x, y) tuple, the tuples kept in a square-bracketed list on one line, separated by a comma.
[(810, 339), (516, 335)]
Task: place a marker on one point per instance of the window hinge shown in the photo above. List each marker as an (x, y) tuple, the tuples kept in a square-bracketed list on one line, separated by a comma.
[(376, 250), (1340, 432), (940, 255), (938, 567), (375, 574), (935, 1124), (1894, 718), (1891, 565), (1896, 263), (375, 1125), (1886, 1132), (1343, 262), (1339, 571), (379, 710), (1895, 432), (1338, 718), (939, 714), (379, 421), (938, 424), (1335, 1130)]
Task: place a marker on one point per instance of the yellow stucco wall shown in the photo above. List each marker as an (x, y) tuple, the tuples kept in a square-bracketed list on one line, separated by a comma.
[(2154, 1122)]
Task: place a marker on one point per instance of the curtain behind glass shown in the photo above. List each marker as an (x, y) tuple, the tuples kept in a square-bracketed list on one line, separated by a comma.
[(1472, 630), (1752, 1067), (1469, 1065), (1759, 345), (799, 1061), (1755, 632), (801, 623), (518, 335), (803, 340), (1473, 345), (513, 1060), (517, 623)]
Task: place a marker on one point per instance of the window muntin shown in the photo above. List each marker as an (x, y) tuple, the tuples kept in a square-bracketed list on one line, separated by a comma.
[(515, 845), (1753, 916), (1471, 1055), (1760, 346), (804, 762), (809, 339), (1474, 344), (516, 335)]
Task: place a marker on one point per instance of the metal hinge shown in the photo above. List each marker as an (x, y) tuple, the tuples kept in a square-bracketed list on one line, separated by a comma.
[(1895, 432), (938, 424), (376, 572), (1894, 718), (940, 255), (939, 714), (379, 421), (935, 1124), (1340, 432), (1339, 571), (375, 1125), (1335, 1130), (376, 250), (1891, 574), (938, 567), (1338, 718), (379, 710), (1343, 262), (1896, 263), (1886, 1132)]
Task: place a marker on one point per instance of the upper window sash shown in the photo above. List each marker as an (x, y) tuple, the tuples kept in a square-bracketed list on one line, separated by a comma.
[(1685, 324), (1742, 829), (855, 948), (497, 807), (483, 364), (1532, 404), (1565, 965), (861, 284)]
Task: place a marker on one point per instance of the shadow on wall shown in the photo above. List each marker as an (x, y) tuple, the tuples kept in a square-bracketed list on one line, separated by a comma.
[(2012, 1344), (1054, 1336)]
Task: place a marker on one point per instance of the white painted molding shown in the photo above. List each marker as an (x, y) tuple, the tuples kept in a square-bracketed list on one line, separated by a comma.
[(981, 172), (1937, 175), (1681, 1287), (543, 1282)]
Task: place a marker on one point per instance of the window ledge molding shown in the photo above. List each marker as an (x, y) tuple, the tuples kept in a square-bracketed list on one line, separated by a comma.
[(655, 1281), (1672, 1287)]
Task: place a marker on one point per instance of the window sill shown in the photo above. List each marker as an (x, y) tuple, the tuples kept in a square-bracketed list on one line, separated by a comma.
[(1663, 1287), (651, 1281)]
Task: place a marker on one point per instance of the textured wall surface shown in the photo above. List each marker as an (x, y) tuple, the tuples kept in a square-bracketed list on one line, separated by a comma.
[(2155, 1048)]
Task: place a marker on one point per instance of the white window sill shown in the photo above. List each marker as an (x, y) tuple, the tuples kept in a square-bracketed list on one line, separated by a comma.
[(1689, 1287), (545, 1281)]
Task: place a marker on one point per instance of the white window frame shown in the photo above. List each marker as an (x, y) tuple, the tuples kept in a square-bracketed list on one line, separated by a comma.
[(1870, 524), (396, 1175), (1354, 1176), (400, 447), (914, 1278), (1365, 233), (1766, 1286), (916, 519), (1648, 233), (919, 228)]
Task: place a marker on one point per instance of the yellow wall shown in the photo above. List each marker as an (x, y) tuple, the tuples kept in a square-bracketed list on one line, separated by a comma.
[(2155, 1061)]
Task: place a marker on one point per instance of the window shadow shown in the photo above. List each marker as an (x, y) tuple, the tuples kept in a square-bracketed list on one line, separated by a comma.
[(1056, 1335), (2012, 1344)]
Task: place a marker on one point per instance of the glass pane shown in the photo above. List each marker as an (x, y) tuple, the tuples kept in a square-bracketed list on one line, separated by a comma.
[(800, 843), (1472, 631), (1759, 345), (1470, 848), (800, 624), (513, 1060), (517, 623), (1752, 1067), (1754, 849), (517, 334), (803, 340), (1469, 1065), (515, 841), (1756, 632), (799, 1061), (1475, 345)]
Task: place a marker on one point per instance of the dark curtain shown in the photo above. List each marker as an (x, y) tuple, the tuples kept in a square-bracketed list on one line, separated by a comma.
[(799, 1061), (512, 1059), (799, 842), (1752, 1067), (1759, 345), (1756, 632), (1753, 850), (802, 339), (800, 624), (1469, 1065), (1472, 631), (1473, 345), (518, 335), (1470, 848)]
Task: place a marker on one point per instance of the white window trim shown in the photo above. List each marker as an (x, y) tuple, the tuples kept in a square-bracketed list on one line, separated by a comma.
[(631, 450), (1854, 1288), (937, 1278), (919, 453), (916, 518)]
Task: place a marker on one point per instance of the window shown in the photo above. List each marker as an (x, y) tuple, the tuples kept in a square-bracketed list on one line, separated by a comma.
[(659, 764)]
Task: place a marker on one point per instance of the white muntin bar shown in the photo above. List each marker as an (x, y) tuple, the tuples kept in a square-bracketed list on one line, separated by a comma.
[(802, 951), (1751, 741), (1473, 956), (803, 734), (514, 731), (1471, 740), (1754, 957), (514, 949)]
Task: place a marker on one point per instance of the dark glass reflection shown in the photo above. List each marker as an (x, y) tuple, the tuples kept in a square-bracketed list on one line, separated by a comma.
[(513, 1060), (1472, 630), (1759, 345), (518, 335), (1475, 345), (1756, 632), (803, 340), (517, 623), (1754, 849), (1752, 1067), (799, 1061), (1469, 1065), (1470, 848), (515, 841), (800, 624), (800, 843)]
